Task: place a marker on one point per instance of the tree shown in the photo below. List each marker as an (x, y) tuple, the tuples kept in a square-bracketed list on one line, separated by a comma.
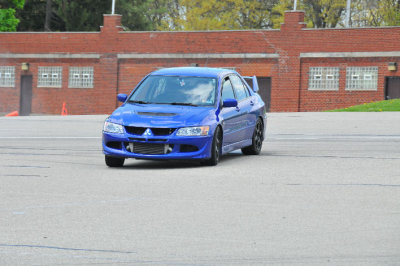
[(318, 13), (8, 21), (34, 14), (278, 12), (256, 14), (160, 12), (170, 19), (221, 15), (87, 15), (390, 10), (207, 15), (82, 15), (375, 13), (324, 13), (137, 14)]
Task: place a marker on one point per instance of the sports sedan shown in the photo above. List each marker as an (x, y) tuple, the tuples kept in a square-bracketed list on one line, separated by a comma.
[(186, 113)]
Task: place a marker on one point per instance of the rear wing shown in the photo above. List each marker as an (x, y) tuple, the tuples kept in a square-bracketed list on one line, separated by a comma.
[(253, 84)]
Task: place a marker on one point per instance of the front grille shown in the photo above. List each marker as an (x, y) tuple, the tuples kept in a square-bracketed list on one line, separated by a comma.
[(135, 130), (156, 131), (162, 131), (143, 139), (149, 148)]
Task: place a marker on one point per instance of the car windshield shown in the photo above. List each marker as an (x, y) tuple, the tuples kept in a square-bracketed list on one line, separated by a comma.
[(177, 90)]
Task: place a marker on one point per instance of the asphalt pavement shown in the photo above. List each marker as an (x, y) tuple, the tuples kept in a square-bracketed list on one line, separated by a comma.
[(325, 190)]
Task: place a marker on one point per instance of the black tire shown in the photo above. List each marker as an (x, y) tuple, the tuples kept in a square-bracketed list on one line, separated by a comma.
[(257, 140), (114, 161), (216, 149)]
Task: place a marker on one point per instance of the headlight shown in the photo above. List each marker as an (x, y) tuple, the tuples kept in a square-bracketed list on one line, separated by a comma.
[(113, 128), (193, 131)]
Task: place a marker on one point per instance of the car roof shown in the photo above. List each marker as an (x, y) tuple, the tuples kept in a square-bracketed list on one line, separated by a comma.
[(193, 71)]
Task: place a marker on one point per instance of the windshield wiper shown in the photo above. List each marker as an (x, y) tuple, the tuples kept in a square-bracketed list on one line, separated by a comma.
[(188, 104), (141, 102)]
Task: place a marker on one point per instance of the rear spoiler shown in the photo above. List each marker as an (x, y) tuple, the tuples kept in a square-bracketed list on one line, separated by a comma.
[(255, 82)]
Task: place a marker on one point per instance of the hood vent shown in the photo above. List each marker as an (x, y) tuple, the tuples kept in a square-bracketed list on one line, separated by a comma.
[(156, 114)]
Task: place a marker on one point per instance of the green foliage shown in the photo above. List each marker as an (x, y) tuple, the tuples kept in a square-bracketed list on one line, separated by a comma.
[(278, 12), (82, 15), (220, 15), (87, 15), (390, 12), (134, 14), (318, 13), (8, 21), (256, 14), (32, 17), (15, 4), (382, 106), (375, 13), (206, 15), (324, 13)]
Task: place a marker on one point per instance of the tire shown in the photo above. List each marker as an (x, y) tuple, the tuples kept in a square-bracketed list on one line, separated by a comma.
[(257, 139), (216, 149), (114, 161)]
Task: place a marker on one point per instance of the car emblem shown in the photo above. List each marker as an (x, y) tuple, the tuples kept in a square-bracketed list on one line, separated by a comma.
[(148, 132)]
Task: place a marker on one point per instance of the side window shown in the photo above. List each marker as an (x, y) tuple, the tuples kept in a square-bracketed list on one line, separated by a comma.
[(227, 90), (240, 91)]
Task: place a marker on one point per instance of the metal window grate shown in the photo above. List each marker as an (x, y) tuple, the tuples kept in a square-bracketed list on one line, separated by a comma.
[(323, 78), (50, 77), (7, 76), (362, 78), (80, 77)]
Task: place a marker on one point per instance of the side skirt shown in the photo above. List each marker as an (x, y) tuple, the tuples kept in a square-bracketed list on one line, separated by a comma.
[(236, 146)]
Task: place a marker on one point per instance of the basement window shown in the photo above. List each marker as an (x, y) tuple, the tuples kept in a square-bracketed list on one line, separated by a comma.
[(7, 76), (362, 78), (50, 77), (323, 78), (80, 77)]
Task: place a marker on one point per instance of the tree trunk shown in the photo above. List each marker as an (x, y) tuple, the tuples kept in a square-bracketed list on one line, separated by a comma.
[(47, 20)]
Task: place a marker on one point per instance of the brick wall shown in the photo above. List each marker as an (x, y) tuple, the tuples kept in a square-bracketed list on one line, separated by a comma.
[(114, 73)]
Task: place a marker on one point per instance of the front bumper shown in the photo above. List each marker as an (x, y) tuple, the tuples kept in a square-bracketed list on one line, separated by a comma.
[(120, 145)]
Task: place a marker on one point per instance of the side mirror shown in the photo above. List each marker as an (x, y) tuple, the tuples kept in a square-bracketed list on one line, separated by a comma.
[(230, 103), (122, 97)]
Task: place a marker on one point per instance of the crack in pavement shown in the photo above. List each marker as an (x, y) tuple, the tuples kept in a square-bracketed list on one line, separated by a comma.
[(353, 184), (68, 249)]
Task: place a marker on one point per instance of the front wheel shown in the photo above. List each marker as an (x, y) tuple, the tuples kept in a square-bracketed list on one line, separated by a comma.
[(256, 144), (114, 161), (215, 149)]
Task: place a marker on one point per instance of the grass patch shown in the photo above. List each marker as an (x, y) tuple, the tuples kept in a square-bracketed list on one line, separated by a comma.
[(382, 106)]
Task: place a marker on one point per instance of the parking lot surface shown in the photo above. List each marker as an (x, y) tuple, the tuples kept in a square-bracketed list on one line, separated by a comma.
[(325, 190)]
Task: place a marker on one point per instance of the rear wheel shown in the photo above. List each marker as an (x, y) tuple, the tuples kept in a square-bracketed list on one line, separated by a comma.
[(216, 149), (256, 145), (114, 161)]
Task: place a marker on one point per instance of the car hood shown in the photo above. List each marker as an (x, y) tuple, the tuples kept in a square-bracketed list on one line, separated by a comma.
[(160, 115)]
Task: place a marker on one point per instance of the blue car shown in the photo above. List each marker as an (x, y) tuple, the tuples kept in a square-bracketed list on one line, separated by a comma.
[(190, 113)]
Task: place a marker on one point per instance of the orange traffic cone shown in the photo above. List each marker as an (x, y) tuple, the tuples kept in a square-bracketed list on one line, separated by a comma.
[(64, 110), (15, 113)]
